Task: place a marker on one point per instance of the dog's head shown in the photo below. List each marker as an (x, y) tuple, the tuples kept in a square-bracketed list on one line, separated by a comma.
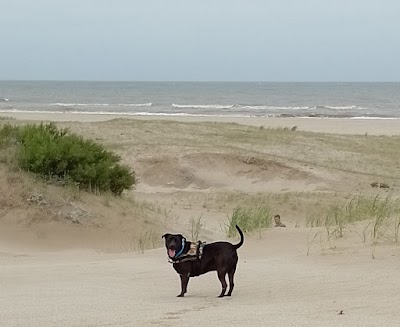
[(174, 244)]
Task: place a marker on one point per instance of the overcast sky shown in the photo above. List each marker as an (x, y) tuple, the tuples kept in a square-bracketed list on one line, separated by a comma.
[(207, 40)]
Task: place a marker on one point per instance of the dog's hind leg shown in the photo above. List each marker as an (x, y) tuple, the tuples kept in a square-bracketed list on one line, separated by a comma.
[(221, 277), (231, 274), (184, 284)]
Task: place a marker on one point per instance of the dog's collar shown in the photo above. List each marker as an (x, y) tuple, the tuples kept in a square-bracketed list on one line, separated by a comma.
[(182, 248)]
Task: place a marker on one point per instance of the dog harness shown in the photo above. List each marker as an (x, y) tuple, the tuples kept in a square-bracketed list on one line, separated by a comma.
[(182, 247), (195, 253)]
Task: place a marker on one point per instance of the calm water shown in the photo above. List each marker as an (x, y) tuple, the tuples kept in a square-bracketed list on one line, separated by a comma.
[(347, 100)]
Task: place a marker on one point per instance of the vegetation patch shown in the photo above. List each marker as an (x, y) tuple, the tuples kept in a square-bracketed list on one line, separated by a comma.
[(373, 219), (56, 154), (249, 219)]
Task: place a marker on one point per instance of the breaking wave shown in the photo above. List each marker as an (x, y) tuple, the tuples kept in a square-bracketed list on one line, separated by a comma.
[(203, 106), (185, 114), (268, 107), (265, 107), (135, 104), (61, 104)]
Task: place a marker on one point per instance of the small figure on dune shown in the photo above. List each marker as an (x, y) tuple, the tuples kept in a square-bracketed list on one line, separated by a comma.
[(278, 222)]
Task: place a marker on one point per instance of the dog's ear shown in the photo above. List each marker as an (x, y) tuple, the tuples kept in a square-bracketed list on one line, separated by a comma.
[(165, 235)]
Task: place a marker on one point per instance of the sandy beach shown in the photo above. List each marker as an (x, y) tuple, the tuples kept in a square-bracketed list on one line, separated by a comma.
[(86, 260), (319, 125), (271, 128)]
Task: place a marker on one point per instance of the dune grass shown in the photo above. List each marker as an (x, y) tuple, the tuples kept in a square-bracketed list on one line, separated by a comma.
[(195, 226), (148, 239), (380, 217), (349, 153), (6, 118), (249, 220)]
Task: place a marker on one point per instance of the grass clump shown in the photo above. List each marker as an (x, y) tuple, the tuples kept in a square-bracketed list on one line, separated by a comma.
[(148, 239), (56, 154), (196, 226), (249, 219), (354, 209), (381, 213)]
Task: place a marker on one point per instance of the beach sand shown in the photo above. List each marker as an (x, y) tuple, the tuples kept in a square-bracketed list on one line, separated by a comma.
[(319, 125), (57, 273)]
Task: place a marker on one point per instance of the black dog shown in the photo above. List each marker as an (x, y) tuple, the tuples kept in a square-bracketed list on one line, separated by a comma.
[(219, 256)]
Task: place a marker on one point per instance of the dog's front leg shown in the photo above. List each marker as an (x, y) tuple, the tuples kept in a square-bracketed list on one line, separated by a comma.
[(184, 283)]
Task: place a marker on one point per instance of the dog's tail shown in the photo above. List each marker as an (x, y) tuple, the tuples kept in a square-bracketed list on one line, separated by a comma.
[(236, 246)]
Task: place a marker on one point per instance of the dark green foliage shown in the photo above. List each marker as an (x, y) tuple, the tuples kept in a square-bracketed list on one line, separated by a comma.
[(55, 154)]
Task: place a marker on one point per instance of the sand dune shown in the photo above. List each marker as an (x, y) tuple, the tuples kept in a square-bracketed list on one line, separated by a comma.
[(60, 271), (220, 171)]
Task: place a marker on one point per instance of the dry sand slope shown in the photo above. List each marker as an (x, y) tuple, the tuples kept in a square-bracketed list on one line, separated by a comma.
[(59, 273), (276, 285)]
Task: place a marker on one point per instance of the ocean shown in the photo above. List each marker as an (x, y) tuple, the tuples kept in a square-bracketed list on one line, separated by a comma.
[(232, 99)]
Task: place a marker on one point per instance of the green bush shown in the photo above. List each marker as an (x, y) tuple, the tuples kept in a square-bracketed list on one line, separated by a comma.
[(56, 154)]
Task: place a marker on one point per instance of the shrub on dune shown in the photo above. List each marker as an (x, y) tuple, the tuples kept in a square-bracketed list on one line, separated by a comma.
[(56, 154)]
